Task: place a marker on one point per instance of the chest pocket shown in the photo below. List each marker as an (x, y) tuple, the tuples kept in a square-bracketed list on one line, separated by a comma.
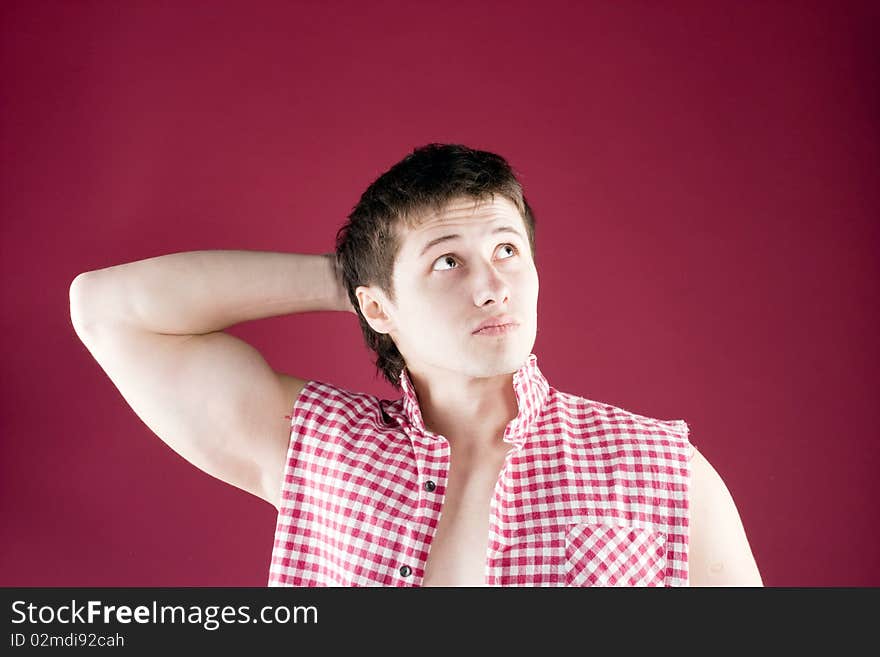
[(613, 555)]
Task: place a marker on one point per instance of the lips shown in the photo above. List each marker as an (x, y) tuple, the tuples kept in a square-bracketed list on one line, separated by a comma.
[(500, 320)]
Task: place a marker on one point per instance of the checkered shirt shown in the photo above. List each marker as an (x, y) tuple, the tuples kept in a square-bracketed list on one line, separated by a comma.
[(590, 494)]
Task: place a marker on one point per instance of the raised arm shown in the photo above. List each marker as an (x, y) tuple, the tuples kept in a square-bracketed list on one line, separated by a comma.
[(156, 328)]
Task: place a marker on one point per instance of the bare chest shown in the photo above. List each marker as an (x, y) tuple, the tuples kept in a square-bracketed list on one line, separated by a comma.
[(457, 556)]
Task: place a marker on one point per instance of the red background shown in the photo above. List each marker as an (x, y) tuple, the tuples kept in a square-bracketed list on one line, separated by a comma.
[(704, 177)]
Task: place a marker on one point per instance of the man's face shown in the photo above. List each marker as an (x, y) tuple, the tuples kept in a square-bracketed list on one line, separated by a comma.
[(446, 288)]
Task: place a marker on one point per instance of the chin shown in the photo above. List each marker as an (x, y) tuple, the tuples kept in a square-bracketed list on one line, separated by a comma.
[(501, 362)]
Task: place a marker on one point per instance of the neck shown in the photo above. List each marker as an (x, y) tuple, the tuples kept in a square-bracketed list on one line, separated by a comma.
[(471, 413)]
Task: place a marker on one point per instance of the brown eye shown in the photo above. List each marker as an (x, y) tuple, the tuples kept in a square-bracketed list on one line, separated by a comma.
[(449, 256), (512, 248), (445, 259)]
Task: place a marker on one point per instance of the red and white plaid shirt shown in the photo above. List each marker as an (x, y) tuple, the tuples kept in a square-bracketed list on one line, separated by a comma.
[(591, 494)]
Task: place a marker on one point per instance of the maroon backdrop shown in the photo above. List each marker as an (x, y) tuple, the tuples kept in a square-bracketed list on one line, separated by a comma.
[(704, 177)]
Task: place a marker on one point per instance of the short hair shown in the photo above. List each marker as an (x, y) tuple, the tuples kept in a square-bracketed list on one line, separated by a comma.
[(427, 179)]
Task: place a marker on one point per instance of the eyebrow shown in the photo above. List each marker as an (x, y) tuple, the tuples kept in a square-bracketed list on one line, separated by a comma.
[(437, 240)]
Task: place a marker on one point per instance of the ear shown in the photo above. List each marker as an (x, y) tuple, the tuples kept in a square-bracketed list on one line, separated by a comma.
[(375, 307)]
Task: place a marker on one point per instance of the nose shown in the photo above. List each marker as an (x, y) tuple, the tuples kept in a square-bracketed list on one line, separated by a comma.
[(490, 286)]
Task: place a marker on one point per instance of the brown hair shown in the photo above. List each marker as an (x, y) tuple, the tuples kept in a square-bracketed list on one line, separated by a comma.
[(425, 180)]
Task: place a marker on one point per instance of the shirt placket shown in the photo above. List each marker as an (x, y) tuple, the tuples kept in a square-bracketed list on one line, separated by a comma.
[(497, 503), (431, 479)]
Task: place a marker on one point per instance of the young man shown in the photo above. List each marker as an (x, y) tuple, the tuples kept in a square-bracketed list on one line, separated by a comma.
[(481, 473)]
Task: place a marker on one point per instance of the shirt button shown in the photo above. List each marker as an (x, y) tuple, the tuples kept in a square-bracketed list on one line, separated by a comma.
[(405, 571), (430, 485)]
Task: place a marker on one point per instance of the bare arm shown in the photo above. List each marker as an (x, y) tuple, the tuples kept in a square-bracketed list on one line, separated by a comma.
[(156, 328), (719, 552)]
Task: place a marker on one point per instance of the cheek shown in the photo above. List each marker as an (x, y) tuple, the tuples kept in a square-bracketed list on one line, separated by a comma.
[(435, 313), (527, 281), (533, 278)]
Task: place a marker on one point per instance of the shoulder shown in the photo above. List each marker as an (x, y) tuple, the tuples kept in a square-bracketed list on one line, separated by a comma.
[(606, 412), (323, 397), (324, 410), (719, 551), (602, 418)]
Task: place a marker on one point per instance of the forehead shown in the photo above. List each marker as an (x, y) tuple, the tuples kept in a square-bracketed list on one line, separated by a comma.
[(461, 216)]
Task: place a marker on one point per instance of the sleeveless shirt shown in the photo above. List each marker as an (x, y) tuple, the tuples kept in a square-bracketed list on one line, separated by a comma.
[(589, 495)]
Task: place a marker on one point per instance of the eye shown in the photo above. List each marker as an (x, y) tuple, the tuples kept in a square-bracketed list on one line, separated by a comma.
[(448, 257), (512, 248)]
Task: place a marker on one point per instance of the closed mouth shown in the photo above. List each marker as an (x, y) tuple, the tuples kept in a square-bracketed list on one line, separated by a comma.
[(496, 326)]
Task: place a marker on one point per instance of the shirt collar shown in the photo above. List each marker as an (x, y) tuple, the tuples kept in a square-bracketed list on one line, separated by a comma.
[(529, 384)]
